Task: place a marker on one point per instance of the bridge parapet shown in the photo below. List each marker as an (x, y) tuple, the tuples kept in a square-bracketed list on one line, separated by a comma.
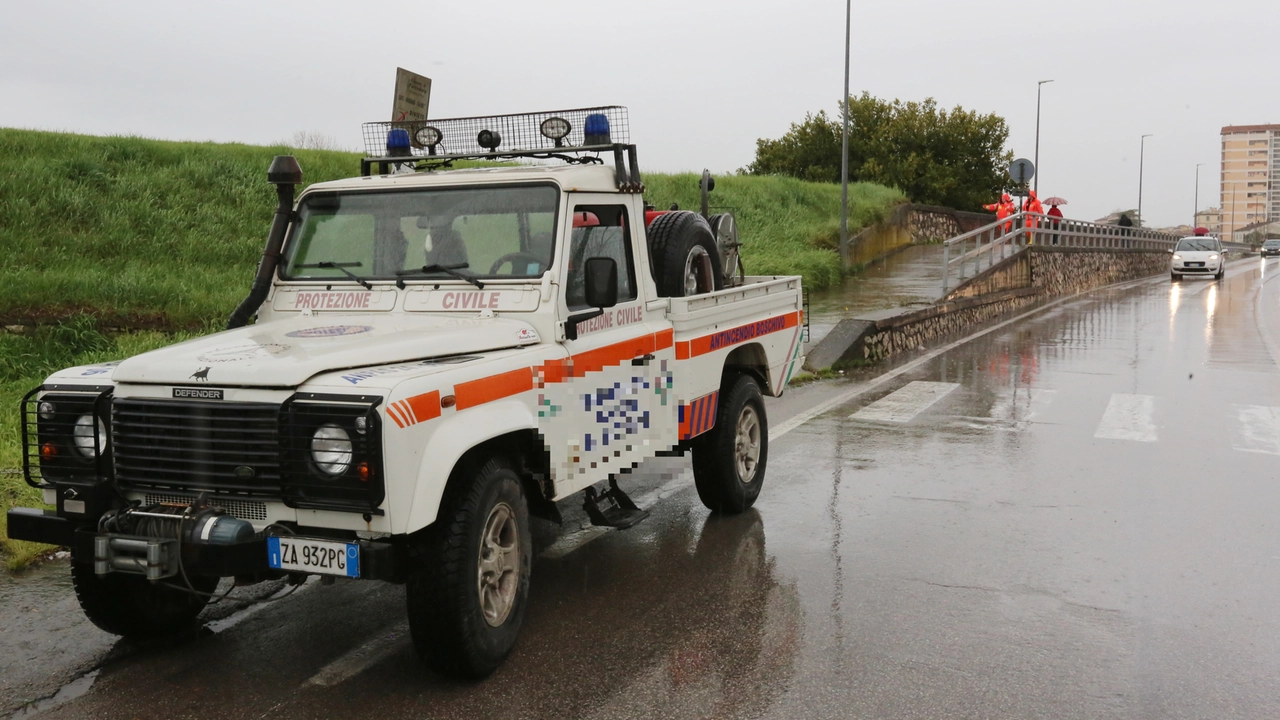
[(969, 254)]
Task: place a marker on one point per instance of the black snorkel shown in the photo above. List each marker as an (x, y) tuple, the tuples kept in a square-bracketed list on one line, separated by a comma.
[(285, 174)]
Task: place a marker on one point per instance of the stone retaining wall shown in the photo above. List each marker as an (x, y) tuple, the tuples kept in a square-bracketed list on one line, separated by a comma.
[(1009, 274), (1036, 275), (912, 225), (932, 224)]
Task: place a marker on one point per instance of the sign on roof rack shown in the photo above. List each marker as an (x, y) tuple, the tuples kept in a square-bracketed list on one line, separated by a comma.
[(557, 131)]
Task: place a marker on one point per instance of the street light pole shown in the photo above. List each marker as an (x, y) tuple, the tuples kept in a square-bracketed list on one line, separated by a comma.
[(844, 145), (1195, 216), (1037, 180), (1142, 153)]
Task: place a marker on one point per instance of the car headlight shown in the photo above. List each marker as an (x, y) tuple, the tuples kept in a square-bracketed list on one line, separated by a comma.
[(82, 436), (1213, 257), (331, 449), (1176, 256)]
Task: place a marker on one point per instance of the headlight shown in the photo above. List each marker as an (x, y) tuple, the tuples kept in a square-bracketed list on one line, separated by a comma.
[(331, 449), (1213, 257), (82, 435), (1176, 256)]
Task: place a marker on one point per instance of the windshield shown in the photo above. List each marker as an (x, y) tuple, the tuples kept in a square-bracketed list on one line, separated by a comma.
[(493, 232), (1271, 243), (1197, 244)]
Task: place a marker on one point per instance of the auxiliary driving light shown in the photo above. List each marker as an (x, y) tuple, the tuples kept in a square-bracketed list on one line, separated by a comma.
[(555, 128), (489, 139), (331, 449), (428, 137), (596, 130), (47, 410)]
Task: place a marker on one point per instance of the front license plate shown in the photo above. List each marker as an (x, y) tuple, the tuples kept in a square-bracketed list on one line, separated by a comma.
[(325, 557)]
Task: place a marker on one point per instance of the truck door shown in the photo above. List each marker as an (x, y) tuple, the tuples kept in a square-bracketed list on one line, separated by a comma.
[(613, 405)]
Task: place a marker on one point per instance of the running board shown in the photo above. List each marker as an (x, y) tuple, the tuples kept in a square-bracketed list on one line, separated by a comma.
[(612, 508)]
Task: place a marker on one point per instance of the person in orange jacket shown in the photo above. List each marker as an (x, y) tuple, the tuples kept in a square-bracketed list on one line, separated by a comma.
[(1003, 209), (1032, 205)]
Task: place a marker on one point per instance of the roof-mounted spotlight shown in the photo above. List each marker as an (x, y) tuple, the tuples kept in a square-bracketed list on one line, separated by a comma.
[(555, 128), (489, 139), (428, 137), (596, 130)]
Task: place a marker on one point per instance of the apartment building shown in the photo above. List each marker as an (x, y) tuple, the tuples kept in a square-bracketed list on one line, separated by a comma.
[(1250, 163), (1211, 220)]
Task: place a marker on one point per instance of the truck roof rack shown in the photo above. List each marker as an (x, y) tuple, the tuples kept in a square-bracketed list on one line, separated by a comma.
[(574, 136)]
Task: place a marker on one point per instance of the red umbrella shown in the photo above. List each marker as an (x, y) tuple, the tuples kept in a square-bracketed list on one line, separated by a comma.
[(1055, 200)]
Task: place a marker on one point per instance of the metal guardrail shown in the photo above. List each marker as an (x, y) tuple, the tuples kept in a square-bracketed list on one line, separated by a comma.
[(967, 255)]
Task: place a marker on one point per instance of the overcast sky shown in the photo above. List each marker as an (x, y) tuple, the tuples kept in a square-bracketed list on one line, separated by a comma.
[(703, 78)]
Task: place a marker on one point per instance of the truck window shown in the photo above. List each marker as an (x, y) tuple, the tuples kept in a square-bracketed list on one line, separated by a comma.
[(599, 231), (500, 232)]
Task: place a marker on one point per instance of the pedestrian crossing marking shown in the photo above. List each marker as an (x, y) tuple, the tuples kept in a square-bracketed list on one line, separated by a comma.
[(1128, 417), (905, 403), (1259, 429), (1013, 412)]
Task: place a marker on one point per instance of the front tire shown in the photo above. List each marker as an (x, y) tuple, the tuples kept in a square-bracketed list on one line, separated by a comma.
[(729, 461), (136, 608), (1174, 277), (466, 600)]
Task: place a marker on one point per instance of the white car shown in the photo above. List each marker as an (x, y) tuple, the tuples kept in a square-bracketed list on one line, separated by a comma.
[(1197, 255)]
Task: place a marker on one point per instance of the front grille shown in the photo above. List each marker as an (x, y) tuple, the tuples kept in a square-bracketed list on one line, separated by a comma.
[(243, 509), (229, 448)]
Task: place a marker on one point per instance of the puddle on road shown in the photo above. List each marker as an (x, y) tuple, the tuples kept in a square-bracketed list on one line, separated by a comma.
[(38, 585), (72, 690)]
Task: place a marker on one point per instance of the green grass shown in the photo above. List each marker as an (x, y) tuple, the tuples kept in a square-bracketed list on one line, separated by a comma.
[(787, 226), (162, 238)]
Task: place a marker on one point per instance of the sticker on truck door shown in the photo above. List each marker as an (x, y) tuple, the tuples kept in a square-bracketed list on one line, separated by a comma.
[(606, 421)]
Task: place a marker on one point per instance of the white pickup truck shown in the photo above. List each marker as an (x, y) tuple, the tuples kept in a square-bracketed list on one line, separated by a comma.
[(438, 354)]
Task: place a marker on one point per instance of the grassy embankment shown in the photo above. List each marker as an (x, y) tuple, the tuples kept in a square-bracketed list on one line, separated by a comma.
[(161, 239)]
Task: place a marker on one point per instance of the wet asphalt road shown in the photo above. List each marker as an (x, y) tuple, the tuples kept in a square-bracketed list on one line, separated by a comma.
[(1076, 515)]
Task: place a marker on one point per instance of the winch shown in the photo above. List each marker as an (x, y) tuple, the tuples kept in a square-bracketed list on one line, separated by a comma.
[(147, 540)]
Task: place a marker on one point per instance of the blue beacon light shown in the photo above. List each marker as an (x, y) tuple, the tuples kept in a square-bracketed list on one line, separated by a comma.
[(398, 142), (596, 130)]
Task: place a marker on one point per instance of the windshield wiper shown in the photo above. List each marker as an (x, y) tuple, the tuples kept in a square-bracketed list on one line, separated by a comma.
[(340, 267), (435, 268)]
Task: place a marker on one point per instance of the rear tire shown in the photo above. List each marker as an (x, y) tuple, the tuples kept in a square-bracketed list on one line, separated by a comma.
[(683, 255), (729, 460), (136, 608), (466, 599)]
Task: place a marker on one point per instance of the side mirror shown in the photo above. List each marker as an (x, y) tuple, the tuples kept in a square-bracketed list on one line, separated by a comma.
[(600, 285), (601, 282)]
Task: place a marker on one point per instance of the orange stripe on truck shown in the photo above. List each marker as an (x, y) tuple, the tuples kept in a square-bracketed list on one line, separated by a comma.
[(421, 408), (719, 340), (494, 387)]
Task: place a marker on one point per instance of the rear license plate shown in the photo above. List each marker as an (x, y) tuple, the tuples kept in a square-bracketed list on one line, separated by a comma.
[(324, 557)]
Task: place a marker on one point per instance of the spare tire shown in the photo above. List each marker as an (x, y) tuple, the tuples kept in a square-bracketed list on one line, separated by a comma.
[(682, 255)]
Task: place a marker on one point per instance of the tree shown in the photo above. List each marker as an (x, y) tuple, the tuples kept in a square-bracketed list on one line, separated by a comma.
[(955, 159)]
